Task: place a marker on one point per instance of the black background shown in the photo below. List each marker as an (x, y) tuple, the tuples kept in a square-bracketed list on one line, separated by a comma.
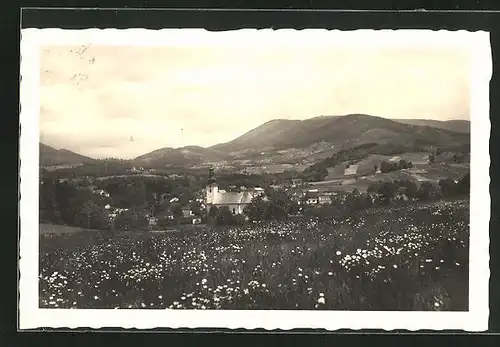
[(449, 17)]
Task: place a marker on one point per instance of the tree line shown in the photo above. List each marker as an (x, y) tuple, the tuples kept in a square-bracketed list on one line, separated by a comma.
[(388, 166), (384, 193)]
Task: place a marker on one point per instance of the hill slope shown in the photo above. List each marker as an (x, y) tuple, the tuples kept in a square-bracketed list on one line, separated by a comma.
[(456, 125), (50, 156), (189, 155), (264, 135), (344, 131)]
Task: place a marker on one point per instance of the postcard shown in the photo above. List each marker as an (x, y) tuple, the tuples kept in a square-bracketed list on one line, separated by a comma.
[(274, 179)]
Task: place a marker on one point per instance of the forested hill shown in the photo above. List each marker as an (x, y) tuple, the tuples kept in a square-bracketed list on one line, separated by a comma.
[(343, 131), (50, 156)]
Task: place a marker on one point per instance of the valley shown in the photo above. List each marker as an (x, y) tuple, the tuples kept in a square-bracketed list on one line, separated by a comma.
[(334, 153)]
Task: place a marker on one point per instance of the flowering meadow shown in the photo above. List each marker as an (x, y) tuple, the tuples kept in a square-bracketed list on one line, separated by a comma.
[(395, 258)]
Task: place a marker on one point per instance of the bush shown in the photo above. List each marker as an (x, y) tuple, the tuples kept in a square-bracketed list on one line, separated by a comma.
[(387, 166)]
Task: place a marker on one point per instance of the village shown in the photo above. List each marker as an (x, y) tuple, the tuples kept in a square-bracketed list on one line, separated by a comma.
[(167, 210), (236, 199)]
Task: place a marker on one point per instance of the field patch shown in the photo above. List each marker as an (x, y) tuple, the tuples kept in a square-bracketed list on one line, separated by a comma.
[(366, 166), (61, 167), (351, 170)]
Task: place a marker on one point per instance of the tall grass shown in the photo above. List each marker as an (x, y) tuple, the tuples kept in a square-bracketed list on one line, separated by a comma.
[(406, 258)]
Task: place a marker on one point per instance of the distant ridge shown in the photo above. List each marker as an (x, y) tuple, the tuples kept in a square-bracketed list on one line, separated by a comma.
[(457, 125), (188, 155), (50, 156)]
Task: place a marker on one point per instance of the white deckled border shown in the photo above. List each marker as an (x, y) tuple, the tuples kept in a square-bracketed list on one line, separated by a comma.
[(30, 316)]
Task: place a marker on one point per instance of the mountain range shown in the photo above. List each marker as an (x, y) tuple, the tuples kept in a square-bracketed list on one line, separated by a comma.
[(344, 131), (277, 136)]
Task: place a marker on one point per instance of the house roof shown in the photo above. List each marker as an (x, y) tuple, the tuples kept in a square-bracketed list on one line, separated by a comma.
[(231, 198)]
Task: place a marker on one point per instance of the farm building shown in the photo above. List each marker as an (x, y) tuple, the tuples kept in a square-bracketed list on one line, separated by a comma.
[(312, 197)]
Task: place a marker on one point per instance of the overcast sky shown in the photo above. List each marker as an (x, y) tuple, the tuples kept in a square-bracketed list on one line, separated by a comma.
[(124, 101)]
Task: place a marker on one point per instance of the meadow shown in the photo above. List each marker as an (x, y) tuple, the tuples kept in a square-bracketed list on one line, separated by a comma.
[(395, 258)]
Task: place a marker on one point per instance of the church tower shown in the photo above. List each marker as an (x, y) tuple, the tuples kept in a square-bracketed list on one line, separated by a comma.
[(212, 189)]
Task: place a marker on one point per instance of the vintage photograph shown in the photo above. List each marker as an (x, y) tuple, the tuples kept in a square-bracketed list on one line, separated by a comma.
[(223, 172)]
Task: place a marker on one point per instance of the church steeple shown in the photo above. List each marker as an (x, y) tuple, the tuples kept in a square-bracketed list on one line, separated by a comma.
[(211, 176), (212, 190)]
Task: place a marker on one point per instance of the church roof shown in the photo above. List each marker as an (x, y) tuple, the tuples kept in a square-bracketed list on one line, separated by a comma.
[(232, 198)]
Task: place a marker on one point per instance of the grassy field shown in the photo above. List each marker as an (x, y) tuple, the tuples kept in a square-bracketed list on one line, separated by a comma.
[(365, 166), (61, 229), (396, 258)]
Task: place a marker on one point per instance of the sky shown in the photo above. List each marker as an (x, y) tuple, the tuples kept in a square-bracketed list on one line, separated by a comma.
[(124, 101)]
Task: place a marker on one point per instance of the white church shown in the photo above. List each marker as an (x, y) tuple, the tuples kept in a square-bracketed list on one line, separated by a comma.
[(235, 201)]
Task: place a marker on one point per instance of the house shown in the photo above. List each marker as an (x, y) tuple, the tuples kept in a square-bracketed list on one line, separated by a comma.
[(329, 193), (187, 213), (324, 199), (101, 193), (152, 221), (312, 197), (401, 197), (236, 201), (278, 186)]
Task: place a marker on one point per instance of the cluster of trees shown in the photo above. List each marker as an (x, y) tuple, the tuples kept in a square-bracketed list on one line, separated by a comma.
[(276, 206), (134, 191), (224, 216), (452, 154), (447, 188), (238, 180), (388, 166), (386, 191), (452, 188), (130, 220), (63, 203)]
